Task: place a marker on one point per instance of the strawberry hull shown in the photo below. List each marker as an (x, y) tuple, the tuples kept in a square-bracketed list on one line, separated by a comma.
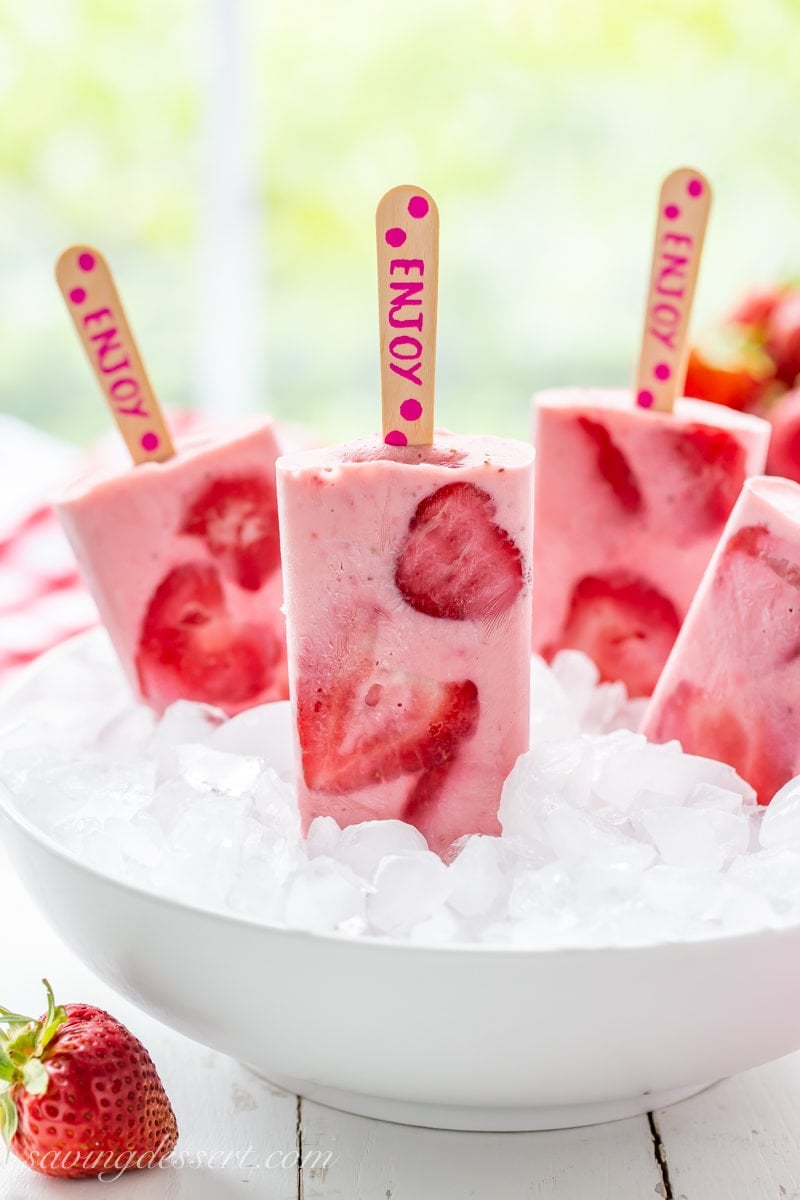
[(731, 687), (629, 506), (407, 576), (183, 561)]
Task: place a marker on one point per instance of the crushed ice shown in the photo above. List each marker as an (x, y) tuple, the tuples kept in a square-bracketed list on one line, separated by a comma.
[(607, 840)]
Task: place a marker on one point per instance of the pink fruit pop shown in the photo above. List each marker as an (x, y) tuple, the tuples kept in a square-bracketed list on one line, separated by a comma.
[(731, 686), (181, 554), (407, 574), (633, 488)]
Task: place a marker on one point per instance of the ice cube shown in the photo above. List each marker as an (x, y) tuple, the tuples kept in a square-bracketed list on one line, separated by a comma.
[(477, 878), (774, 872), (703, 839), (128, 731), (274, 801), (323, 837), (362, 847), (213, 770), (188, 721), (685, 772), (708, 795), (264, 732), (700, 895), (606, 710), (549, 889), (780, 824), (93, 786), (552, 714), (549, 774), (627, 765), (440, 927), (141, 839), (323, 895), (575, 834), (409, 888), (578, 676)]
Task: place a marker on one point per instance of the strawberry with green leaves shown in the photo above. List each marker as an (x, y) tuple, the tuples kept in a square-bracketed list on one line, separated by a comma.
[(79, 1094)]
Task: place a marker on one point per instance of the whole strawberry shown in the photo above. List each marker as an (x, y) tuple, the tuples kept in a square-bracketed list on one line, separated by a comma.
[(79, 1094)]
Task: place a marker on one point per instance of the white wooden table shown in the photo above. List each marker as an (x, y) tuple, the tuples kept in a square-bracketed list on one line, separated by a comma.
[(242, 1138)]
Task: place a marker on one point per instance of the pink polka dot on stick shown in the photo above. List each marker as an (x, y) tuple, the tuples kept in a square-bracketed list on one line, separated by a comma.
[(411, 410)]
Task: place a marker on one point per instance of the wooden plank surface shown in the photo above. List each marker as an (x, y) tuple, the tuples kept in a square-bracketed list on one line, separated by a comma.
[(740, 1140), (377, 1161)]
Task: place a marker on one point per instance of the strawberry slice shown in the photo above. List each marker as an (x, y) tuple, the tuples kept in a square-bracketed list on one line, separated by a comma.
[(455, 562), (704, 725), (715, 465), (385, 725), (625, 625), (190, 648), (360, 724), (613, 465), (238, 520), (754, 541)]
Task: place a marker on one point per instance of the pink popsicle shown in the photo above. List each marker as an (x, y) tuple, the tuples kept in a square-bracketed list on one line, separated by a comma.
[(629, 505), (731, 687), (407, 577), (183, 560)]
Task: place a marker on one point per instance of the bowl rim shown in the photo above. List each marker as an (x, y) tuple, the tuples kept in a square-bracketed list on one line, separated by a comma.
[(17, 817)]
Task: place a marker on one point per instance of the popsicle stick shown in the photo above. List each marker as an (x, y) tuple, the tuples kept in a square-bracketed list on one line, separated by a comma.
[(407, 226), (88, 288), (683, 208)]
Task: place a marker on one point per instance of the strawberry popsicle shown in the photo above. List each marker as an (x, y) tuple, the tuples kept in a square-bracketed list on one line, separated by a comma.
[(629, 505), (407, 577), (183, 560), (731, 687)]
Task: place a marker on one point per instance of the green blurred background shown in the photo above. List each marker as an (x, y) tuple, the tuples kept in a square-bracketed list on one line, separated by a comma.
[(238, 214)]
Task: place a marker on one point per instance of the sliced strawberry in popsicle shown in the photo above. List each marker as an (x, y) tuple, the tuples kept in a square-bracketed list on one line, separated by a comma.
[(625, 625), (613, 465), (378, 726), (704, 725), (716, 463), (190, 649), (238, 520), (755, 541), (455, 561)]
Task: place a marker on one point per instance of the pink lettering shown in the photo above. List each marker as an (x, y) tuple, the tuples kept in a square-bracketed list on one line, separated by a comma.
[(406, 265), (682, 239), (405, 340), (118, 366), (409, 373), (94, 318), (674, 267), (131, 389), (408, 295), (134, 410), (665, 320)]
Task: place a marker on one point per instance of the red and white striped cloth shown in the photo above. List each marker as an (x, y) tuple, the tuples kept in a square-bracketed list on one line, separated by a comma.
[(42, 599)]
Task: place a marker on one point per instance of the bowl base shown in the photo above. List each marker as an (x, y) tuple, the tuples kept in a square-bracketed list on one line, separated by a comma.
[(482, 1120)]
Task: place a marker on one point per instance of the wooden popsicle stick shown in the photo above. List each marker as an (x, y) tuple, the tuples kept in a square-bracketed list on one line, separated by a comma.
[(88, 288), (683, 208), (407, 227)]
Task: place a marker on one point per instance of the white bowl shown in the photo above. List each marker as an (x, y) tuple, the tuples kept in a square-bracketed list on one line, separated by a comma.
[(462, 1037)]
